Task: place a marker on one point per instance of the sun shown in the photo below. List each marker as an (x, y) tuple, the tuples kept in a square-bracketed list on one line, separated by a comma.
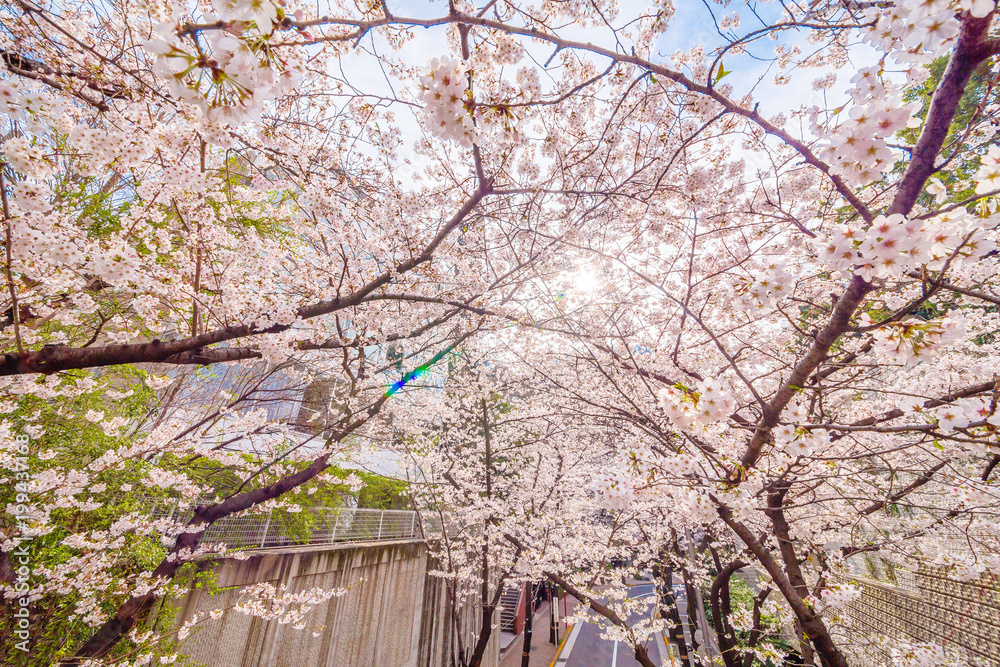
[(586, 280)]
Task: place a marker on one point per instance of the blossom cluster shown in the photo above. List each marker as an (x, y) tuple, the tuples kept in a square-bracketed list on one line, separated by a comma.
[(840, 595), (244, 74), (858, 149), (445, 95), (697, 507), (768, 287), (910, 341), (893, 245), (34, 109), (960, 414), (796, 440), (270, 602), (917, 655), (709, 403), (618, 490), (988, 175)]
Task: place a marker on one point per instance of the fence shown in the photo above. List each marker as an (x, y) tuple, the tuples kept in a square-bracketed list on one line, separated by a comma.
[(317, 526), (925, 606), (919, 606)]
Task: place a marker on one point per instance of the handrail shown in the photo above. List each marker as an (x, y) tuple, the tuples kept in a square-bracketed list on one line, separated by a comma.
[(317, 526)]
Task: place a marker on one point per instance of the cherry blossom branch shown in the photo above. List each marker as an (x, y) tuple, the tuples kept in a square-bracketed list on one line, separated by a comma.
[(812, 625), (204, 357), (983, 296), (39, 71), (838, 323), (971, 49), (112, 92), (968, 53), (957, 205), (641, 654), (767, 30), (924, 478), (54, 358), (566, 44), (971, 390), (989, 467)]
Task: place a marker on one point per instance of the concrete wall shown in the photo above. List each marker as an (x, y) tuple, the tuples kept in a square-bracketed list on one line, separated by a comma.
[(394, 614), (443, 637)]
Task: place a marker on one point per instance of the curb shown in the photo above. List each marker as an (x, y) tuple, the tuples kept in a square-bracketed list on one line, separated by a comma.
[(569, 631), (668, 644)]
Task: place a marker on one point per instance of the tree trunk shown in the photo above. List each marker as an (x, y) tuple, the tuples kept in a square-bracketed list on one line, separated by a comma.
[(487, 622), (786, 546), (529, 613), (756, 632), (476, 660), (642, 656), (812, 625), (719, 600), (807, 656)]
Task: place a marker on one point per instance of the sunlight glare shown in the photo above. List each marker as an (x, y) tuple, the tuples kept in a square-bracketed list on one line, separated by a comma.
[(585, 280)]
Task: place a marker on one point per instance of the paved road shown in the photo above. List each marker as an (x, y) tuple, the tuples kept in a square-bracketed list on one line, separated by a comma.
[(589, 650)]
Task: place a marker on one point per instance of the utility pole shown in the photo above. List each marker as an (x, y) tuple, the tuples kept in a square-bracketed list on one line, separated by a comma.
[(553, 615)]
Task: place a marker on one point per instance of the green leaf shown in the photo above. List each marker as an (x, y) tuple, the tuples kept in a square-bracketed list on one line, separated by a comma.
[(721, 73)]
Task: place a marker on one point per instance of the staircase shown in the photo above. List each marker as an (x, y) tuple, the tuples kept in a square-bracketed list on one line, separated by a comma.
[(508, 608)]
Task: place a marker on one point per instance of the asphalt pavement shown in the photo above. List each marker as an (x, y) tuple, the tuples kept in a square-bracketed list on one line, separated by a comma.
[(586, 648)]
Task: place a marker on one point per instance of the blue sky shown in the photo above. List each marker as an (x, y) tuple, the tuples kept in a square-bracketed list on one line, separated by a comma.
[(691, 25)]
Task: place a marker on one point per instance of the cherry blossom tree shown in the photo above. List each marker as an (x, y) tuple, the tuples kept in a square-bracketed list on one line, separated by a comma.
[(765, 318), (512, 484), (798, 380), (140, 230)]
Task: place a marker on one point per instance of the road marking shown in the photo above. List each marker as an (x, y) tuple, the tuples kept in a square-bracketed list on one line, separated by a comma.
[(566, 649), (568, 643), (560, 649)]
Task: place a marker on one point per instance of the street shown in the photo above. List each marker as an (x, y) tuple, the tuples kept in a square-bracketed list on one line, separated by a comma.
[(585, 647)]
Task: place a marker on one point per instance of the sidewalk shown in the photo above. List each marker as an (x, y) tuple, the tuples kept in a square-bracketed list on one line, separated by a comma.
[(543, 654)]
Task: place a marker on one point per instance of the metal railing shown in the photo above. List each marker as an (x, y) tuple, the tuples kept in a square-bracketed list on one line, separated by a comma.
[(317, 526), (321, 526)]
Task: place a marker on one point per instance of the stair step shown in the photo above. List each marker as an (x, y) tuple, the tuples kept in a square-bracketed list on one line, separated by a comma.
[(508, 608)]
